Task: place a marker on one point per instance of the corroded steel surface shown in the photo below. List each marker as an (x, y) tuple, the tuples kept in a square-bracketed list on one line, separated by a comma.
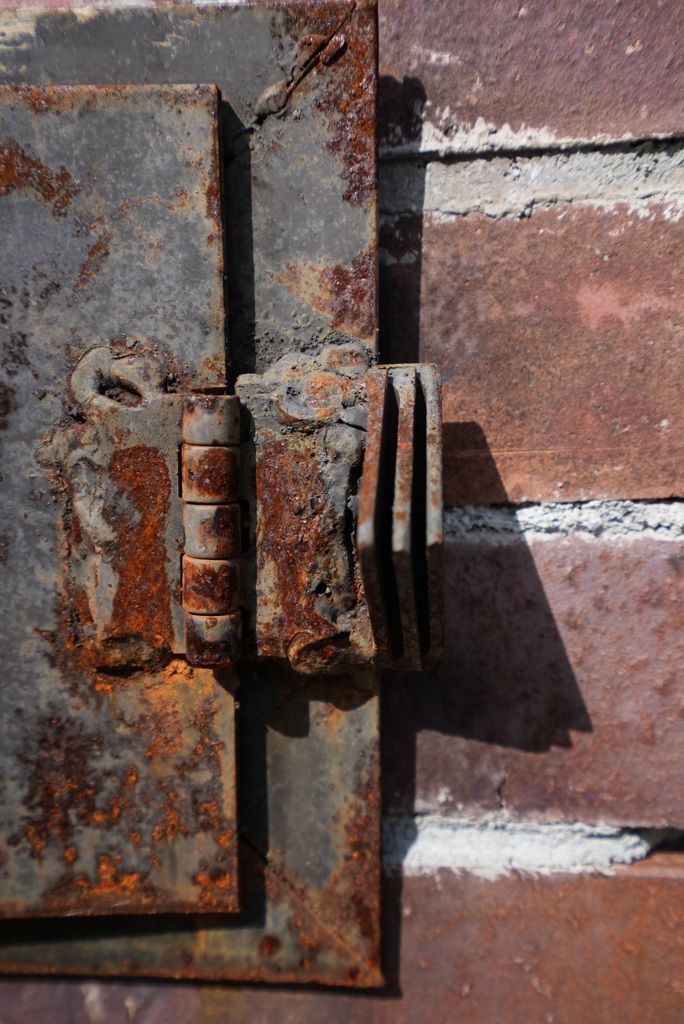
[(403, 386), (308, 773), (310, 864), (308, 414), (116, 475), (118, 759), (211, 419), (104, 197), (211, 531), (209, 474), (211, 586), (210, 468), (347, 512), (293, 178)]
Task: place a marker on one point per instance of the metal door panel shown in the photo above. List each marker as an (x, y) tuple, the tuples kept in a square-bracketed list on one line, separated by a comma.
[(118, 787), (300, 212), (310, 824)]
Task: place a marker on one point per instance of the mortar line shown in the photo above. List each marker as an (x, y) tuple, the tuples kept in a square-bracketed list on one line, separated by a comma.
[(396, 155)]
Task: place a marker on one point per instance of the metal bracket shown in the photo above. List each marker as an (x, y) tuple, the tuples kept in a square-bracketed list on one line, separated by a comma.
[(337, 465), (347, 511)]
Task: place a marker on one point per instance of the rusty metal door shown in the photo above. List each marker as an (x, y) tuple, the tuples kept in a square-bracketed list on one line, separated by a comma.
[(119, 789), (118, 756)]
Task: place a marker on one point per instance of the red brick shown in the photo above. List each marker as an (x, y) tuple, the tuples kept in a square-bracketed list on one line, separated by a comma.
[(561, 341), (560, 691), (562, 949), (582, 70)]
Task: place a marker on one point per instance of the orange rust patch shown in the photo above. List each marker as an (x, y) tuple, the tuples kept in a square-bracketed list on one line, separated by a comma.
[(269, 945), (111, 884), (18, 170), (352, 292), (213, 883), (93, 263), (355, 889), (142, 602), (55, 758), (289, 548), (346, 294), (210, 473), (347, 101), (213, 198), (171, 826), (162, 722)]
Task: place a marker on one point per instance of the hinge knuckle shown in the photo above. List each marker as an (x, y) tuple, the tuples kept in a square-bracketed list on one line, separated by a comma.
[(210, 490), (210, 475), (211, 531), (213, 640)]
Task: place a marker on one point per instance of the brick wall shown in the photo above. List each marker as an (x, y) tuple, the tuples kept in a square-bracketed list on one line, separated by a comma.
[(532, 192)]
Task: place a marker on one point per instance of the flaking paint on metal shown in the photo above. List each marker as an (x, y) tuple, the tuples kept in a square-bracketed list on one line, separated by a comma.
[(318, 157), (124, 225)]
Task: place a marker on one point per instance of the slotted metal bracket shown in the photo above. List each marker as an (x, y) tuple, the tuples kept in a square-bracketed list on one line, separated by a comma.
[(341, 477), (400, 531)]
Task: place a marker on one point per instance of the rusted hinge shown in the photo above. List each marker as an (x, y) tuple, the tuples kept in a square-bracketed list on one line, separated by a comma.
[(335, 467)]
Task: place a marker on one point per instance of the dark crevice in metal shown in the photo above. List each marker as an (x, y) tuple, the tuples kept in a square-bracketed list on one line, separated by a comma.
[(119, 391), (383, 522), (419, 518), (349, 529)]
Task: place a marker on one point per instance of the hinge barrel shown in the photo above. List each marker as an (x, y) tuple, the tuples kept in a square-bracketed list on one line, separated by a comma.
[(210, 490)]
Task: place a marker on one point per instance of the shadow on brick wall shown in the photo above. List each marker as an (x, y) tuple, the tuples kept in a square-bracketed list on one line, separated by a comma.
[(506, 681)]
